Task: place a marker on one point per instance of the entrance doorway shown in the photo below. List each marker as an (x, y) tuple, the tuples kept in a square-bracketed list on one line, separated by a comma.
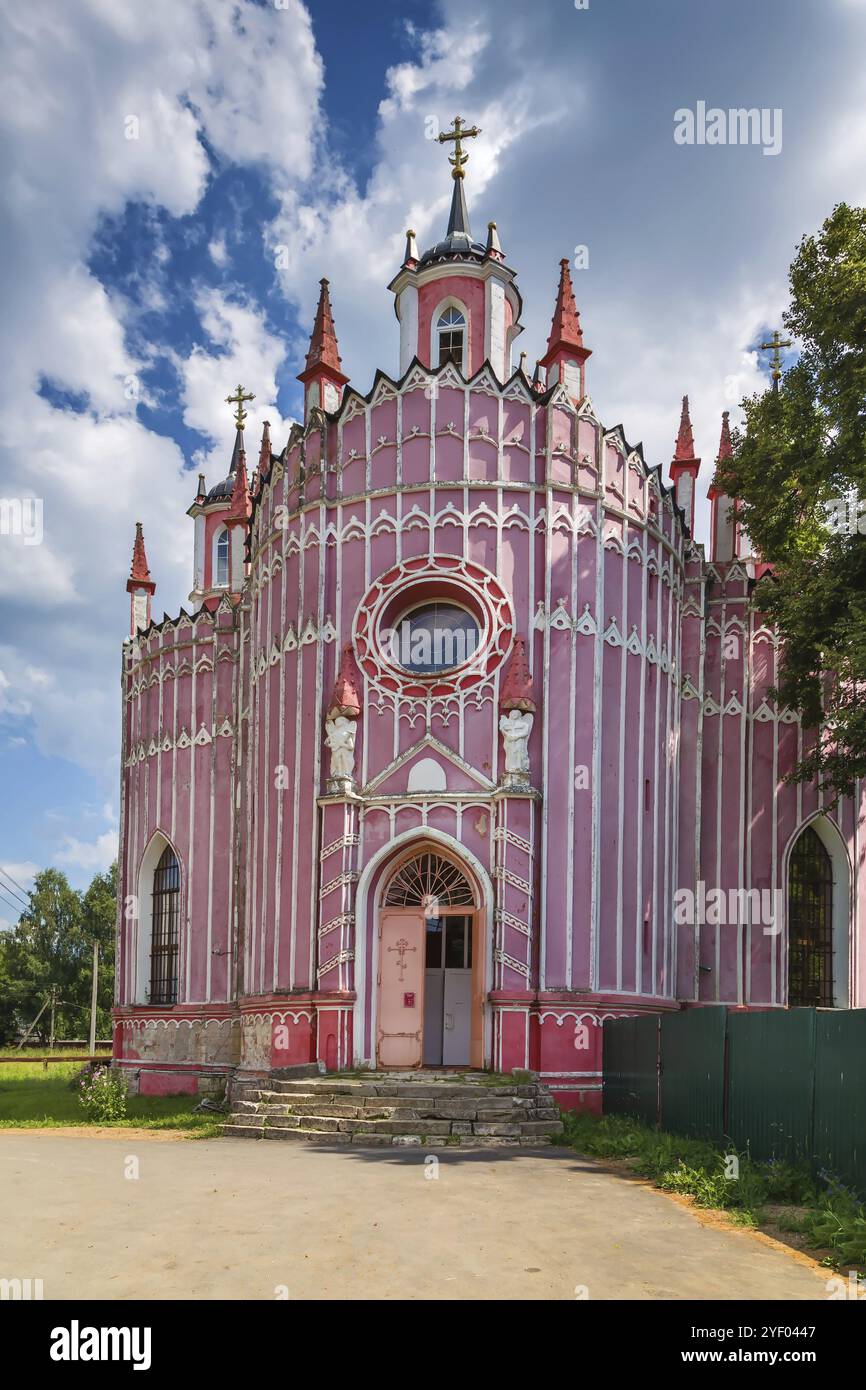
[(431, 1004)]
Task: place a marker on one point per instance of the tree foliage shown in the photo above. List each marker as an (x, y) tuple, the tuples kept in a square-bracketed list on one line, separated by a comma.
[(799, 474), (51, 945)]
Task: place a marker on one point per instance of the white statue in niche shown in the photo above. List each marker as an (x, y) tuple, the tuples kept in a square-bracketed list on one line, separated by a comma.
[(515, 728), (340, 738)]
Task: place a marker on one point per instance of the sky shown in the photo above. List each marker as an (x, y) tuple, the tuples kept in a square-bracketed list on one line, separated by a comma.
[(178, 177)]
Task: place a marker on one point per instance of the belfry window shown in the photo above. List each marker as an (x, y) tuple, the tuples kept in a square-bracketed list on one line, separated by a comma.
[(450, 329), (810, 923), (165, 932), (222, 559)]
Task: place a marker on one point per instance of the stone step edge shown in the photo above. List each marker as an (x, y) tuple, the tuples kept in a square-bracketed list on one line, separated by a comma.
[(337, 1139), (324, 1124)]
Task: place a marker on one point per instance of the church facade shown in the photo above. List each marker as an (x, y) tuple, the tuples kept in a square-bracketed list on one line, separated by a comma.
[(464, 745)]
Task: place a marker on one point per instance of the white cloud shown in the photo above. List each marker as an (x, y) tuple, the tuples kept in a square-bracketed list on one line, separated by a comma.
[(241, 350), (218, 251), (22, 871), (90, 856), (101, 104)]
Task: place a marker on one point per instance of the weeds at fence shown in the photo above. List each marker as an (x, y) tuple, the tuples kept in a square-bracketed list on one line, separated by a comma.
[(826, 1214)]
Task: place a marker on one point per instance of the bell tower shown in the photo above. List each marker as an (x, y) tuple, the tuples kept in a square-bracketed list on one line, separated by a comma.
[(457, 301)]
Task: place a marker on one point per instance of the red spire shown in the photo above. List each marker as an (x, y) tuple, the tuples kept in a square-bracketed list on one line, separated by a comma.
[(139, 574), (565, 330), (726, 448), (345, 697), (240, 498), (265, 449), (323, 351), (726, 451), (685, 450), (517, 686)]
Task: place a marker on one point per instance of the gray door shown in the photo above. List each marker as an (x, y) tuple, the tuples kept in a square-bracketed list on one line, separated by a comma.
[(457, 1008), (448, 990), (434, 981)]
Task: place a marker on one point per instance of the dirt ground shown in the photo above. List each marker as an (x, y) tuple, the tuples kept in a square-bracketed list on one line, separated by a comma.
[(132, 1214)]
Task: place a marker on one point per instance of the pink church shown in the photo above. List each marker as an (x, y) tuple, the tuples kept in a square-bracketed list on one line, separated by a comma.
[(465, 744)]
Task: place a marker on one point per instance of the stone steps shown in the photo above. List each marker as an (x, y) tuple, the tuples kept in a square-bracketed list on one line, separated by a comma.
[(381, 1110)]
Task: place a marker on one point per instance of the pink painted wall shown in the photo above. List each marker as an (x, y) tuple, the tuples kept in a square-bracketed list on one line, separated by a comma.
[(654, 759)]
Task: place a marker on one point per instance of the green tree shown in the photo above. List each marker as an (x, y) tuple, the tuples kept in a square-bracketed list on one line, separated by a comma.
[(51, 947), (799, 474)]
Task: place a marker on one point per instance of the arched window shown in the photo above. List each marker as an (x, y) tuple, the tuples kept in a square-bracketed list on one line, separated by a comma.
[(450, 328), (221, 556), (810, 923), (429, 878), (165, 930)]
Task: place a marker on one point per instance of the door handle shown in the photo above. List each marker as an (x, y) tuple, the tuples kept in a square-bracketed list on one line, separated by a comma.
[(449, 1022)]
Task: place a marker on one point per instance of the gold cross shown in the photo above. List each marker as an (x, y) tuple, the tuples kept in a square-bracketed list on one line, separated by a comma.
[(401, 948), (238, 399), (777, 342), (460, 132)]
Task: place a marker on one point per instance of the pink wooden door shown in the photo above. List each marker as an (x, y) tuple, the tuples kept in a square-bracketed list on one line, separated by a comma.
[(401, 988)]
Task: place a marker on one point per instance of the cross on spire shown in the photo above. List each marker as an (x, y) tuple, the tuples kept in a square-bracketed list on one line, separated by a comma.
[(238, 399), (776, 343), (459, 133)]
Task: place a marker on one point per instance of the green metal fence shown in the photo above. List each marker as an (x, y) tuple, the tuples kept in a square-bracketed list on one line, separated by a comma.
[(781, 1084), (692, 1072), (630, 1058), (839, 1144), (771, 1083)]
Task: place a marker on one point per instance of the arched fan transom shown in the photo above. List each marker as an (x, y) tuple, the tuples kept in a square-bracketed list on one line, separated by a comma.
[(426, 878)]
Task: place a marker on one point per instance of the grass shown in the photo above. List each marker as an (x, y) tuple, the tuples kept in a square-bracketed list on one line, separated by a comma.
[(827, 1216), (35, 1097)]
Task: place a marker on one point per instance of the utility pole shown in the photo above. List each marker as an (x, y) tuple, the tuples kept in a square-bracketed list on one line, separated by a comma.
[(93, 998), (33, 1025), (53, 1002)]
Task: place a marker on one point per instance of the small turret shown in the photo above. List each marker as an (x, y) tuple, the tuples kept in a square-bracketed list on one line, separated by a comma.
[(139, 585), (221, 514), (410, 260), (726, 535), (494, 247), (458, 301), (685, 467), (323, 376), (566, 355)]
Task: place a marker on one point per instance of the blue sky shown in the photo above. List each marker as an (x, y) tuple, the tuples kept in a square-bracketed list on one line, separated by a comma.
[(274, 143)]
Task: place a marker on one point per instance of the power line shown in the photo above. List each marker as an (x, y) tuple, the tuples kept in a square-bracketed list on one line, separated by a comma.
[(7, 902), (22, 892)]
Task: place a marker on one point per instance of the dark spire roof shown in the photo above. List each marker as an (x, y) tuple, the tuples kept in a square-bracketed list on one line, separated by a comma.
[(223, 491), (458, 243)]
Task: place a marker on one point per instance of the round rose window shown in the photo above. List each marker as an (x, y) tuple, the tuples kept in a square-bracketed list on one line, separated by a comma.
[(434, 637), (433, 625)]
